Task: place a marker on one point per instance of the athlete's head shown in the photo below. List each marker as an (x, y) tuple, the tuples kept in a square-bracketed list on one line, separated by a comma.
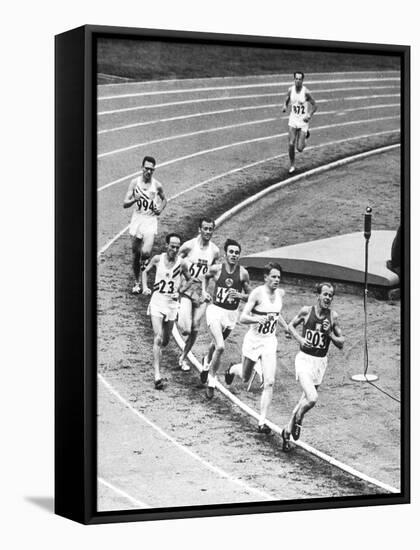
[(206, 228), (173, 244), (272, 274), (148, 166), (232, 251), (325, 293), (298, 77)]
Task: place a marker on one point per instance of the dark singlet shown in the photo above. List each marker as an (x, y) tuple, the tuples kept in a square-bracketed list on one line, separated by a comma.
[(316, 335), (224, 283)]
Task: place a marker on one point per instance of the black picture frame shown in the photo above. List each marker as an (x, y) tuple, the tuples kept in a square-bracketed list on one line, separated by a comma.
[(76, 272)]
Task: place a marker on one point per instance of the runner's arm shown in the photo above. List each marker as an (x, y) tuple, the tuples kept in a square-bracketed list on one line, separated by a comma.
[(295, 322), (283, 324), (286, 101), (186, 273), (281, 319), (313, 104), (216, 258), (185, 249), (129, 198), (336, 333), (245, 285), (246, 317), (153, 263), (211, 273), (162, 197)]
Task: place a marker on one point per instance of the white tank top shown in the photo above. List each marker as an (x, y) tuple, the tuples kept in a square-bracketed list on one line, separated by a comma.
[(167, 279), (270, 308), (299, 108), (200, 259), (145, 194)]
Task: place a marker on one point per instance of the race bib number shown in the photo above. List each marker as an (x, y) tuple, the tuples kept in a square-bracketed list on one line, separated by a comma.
[(145, 205), (199, 268), (269, 326), (316, 338), (222, 296), (165, 287), (299, 109)]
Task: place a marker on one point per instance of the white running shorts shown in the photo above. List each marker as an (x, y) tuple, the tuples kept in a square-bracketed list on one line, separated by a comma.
[(254, 348), (142, 226), (163, 306), (315, 366), (226, 318), (298, 123)]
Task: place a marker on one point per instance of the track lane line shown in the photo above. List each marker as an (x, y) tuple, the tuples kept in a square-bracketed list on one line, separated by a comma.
[(323, 456), (215, 469), (242, 87), (189, 134), (104, 248), (256, 76), (227, 146), (219, 221), (238, 109), (120, 492), (230, 98)]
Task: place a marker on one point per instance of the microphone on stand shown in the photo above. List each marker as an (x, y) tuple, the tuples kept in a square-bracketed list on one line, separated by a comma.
[(368, 222), (365, 377)]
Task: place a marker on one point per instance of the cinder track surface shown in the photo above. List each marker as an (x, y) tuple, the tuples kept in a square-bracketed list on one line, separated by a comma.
[(204, 157)]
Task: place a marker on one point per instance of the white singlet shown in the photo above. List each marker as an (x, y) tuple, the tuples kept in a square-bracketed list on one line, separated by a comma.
[(200, 259), (144, 220), (267, 307), (299, 108), (260, 341), (164, 302)]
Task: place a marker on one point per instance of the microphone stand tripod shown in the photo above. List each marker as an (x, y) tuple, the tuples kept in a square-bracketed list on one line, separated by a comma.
[(365, 377)]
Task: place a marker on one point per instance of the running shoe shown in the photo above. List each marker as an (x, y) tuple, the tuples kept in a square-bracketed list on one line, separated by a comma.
[(183, 364), (286, 441), (159, 384), (296, 428), (264, 429), (136, 289), (229, 376), (292, 169)]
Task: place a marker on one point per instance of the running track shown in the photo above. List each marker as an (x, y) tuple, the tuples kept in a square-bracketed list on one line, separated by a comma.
[(203, 129)]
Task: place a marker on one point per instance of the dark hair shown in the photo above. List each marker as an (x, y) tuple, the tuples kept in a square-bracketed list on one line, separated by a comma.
[(299, 72), (148, 159), (207, 220), (231, 242), (170, 235), (318, 287), (271, 265)]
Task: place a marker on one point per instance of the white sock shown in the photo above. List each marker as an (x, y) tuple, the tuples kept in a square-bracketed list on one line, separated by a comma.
[(236, 369), (211, 381)]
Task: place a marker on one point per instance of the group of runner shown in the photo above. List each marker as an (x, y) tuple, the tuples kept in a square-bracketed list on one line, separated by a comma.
[(184, 271)]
